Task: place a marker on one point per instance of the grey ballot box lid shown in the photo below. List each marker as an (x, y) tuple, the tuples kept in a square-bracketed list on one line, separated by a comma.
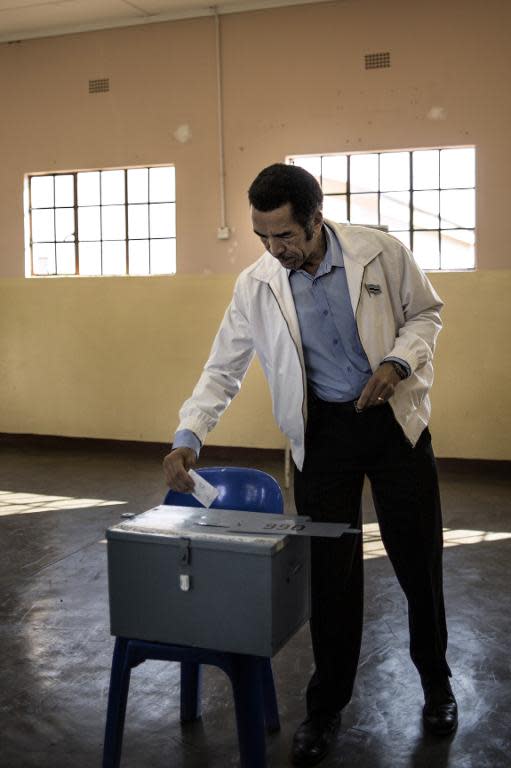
[(204, 527), (176, 576)]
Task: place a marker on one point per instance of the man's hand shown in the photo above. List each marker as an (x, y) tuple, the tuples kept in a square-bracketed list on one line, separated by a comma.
[(175, 468), (379, 388)]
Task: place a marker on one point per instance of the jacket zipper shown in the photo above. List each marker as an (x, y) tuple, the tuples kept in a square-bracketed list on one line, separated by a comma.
[(304, 384), (356, 312)]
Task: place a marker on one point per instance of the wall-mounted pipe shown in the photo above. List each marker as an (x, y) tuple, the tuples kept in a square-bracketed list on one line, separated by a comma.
[(223, 230)]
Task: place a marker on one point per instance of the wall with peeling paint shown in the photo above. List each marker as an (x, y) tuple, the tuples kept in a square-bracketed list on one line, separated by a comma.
[(114, 357)]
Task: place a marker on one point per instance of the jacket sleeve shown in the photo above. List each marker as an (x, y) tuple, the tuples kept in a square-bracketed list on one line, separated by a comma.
[(420, 305), (221, 378)]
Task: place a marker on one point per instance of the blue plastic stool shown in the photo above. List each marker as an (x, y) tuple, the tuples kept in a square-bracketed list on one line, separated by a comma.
[(251, 677)]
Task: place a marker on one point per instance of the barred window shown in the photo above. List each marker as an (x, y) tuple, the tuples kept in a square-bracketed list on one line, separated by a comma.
[(103, 222), (424, 197)]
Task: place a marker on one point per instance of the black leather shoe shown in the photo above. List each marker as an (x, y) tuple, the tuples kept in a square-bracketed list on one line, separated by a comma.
[(314, 738), (440, 713)]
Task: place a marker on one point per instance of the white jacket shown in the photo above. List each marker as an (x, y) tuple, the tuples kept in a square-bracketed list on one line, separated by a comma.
[(399, 317)]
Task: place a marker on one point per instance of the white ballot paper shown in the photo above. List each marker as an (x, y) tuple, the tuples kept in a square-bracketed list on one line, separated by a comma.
[(203, 491)]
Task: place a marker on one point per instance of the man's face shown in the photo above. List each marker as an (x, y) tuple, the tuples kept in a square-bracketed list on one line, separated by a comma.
[(286, 240)]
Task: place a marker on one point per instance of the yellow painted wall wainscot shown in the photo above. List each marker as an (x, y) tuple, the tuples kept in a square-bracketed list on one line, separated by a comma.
[(116, 357)]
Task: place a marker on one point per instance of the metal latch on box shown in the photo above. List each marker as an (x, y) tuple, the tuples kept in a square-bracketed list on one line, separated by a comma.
[(186, 551), (185, 581)]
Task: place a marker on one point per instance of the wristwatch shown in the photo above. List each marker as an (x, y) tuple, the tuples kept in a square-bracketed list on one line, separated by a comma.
[(399, 369)]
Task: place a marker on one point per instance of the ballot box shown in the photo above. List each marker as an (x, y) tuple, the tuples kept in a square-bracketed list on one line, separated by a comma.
[(186, 575)]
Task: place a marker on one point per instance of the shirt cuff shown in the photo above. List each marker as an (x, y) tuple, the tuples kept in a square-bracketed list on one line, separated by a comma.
[(185, 438), (401, 362)]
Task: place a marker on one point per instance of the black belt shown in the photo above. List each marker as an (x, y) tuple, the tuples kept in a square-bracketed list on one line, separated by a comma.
[(316, 402)]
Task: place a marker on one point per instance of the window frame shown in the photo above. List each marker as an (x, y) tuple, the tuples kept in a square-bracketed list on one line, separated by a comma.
[(411, 231), (29, 210)]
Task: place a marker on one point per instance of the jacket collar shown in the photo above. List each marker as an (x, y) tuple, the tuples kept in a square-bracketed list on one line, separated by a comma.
[(357, 248)]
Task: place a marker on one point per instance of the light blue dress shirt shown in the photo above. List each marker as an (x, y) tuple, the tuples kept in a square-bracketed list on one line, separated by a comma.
[(336, 365)]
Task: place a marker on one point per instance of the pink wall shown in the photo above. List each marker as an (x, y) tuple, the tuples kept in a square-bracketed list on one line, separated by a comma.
[(294, 82)]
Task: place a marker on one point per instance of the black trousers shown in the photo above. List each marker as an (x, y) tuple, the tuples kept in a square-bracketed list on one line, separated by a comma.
[(341, 447)]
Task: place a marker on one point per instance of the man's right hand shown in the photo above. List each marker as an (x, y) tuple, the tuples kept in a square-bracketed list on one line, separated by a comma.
[(175, 467)]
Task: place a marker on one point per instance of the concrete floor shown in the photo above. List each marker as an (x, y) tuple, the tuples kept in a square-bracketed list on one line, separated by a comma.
[(55, 504)]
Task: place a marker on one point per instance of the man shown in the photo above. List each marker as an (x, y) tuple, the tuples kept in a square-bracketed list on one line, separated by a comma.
[(344, 323)]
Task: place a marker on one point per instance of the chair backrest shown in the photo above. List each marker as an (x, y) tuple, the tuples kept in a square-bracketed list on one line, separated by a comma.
[(239, 488)]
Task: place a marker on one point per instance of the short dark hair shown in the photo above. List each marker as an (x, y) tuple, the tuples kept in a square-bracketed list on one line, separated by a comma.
[(279, 184)]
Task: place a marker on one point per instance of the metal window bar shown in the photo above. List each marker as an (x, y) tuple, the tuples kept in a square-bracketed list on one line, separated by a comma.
[(439, 215), (127, 237), (348, 187), (101, 222), (30, 226), (149, 246), (378, 198), (75, 234), (410, 213), (55, 225)]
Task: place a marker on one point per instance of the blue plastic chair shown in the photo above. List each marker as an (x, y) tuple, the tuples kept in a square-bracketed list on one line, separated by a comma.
[(251, 677), (238, 488)]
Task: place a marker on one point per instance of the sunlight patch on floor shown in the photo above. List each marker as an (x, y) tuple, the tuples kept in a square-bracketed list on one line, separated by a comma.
[(453, 537), (12, 503)]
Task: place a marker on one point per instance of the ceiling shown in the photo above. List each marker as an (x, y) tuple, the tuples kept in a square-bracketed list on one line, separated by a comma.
[(22, 19)]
